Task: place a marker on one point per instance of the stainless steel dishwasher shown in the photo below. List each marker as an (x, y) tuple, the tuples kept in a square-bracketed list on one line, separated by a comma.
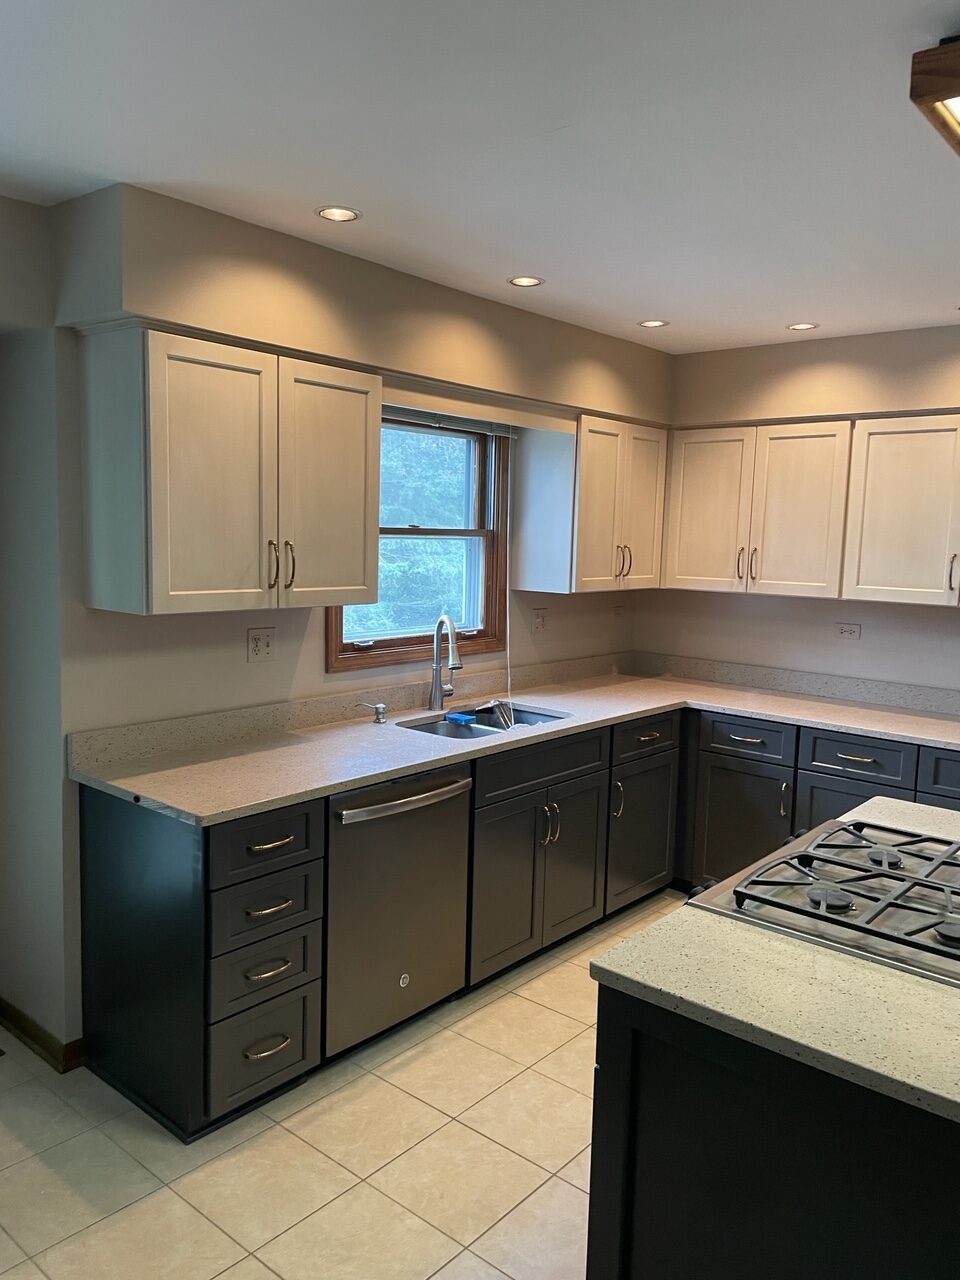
[(396, 902)]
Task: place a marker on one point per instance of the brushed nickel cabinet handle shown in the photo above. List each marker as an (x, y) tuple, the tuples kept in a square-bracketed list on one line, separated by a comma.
[(618, 570), (953, 563), (740, 554), (753, 564), (253, 1054), (856, 759), (268, 848), (293, 564), (556, 814), (260, 912), (618, 813), (646, 737), (784, 792), (275, 577), (549, 817), (629, 569), (754, 742), (254, 975)]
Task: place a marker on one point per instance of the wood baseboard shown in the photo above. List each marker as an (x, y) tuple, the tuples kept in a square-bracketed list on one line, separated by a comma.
[(62, 1057)]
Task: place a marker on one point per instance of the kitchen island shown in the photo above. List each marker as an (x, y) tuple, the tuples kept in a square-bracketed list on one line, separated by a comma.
[(767, 1107)]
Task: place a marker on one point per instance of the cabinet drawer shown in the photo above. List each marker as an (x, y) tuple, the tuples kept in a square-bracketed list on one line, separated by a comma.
[(241, 979), (252, 846), (253, 1052), (752, 739), (893, 763), (939, 772), (266, 906), (511, 773), (644, 737)]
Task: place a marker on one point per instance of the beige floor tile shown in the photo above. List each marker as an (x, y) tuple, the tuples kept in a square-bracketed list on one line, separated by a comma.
[(459, 1181), (530, 969), (10, 1253), (248, 1269), (264, 1186), (13, 1071), (518, 1029), (545, 1238), (89, 1095), (32, 1119), (537, 1118), (167, 1156), (25, 1271), (467, 1266), (319, 1085), (50, 1196), (361, 1236), (569, 989), (366, 1124), (449, 1014), (573, 1063), (578, 1170), (595, 947), (449, 1072), (159, 1238), (393, 1043)]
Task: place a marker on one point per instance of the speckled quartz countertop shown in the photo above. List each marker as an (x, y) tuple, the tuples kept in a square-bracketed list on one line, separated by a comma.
[(217, 783), (892, 1031)]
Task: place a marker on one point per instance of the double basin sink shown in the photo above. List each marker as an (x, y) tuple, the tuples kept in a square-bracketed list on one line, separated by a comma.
[(491, 717)]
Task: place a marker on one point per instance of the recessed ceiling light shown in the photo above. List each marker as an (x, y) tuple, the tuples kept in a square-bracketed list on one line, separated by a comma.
[(526, 282), (653, 324), (803, 326), (338, 213)]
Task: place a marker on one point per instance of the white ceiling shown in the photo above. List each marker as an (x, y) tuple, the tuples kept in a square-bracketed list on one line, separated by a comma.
[(731, 166)]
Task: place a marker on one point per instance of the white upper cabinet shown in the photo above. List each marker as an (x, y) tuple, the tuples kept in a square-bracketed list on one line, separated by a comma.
[(329, 484), (644, 482), (799, 496), (903, 526), (708, 522), (600, 474), (204, 483)]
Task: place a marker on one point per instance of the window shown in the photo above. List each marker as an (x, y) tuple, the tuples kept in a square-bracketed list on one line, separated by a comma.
[(443, 500)]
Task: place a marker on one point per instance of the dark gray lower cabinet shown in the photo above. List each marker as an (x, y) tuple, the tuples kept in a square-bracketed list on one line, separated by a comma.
[(744, 810), (574, 859), (943, 802), (640, 850), (821, 798)]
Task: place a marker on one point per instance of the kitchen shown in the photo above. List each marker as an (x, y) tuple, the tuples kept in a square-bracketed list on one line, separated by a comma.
[(276, 967)]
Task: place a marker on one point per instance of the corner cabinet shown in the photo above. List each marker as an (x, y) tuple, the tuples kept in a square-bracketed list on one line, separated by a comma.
[(589, 509), (223, 478)]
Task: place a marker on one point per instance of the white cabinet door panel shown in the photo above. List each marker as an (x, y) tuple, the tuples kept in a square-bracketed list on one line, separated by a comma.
[(799, 497), (213, 475), (329, 484), (599, 496), (708, 522), (643, 491), (902, 527)]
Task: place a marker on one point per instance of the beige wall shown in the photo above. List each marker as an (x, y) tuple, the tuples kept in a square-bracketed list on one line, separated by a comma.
[(26, 266), (828, 377)]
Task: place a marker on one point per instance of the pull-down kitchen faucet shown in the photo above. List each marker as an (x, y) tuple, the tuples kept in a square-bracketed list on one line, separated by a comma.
[(439, 690)]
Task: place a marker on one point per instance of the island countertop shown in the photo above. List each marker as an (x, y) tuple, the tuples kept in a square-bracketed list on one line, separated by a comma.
[(894, 1032)]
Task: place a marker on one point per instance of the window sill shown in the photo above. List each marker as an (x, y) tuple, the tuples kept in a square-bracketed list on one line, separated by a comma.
[(389, 653)]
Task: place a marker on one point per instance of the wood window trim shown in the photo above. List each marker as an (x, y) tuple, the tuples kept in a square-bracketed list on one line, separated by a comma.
[(345, 656)]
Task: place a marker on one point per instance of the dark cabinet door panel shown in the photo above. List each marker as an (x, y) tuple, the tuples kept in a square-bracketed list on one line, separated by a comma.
[(744, 810), (574, 859), (821, 798), (942, 802), (640, 852), (939, 772), (508, 844)]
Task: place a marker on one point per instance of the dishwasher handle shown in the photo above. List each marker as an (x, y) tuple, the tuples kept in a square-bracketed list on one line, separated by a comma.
[(409, 803)]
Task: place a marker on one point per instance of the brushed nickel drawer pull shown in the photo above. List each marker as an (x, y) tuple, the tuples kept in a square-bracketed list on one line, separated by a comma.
[(252, 975), (629, 569), (253, 1054), (856, 759), (618, 570), (617, 813), (647, 737), (740, 564), (269, 911), (275, 576), (953, 563), (549, 817), (293, 564), (754, 742), (753, 564), (784, 790), (268, 848), (556, 812)]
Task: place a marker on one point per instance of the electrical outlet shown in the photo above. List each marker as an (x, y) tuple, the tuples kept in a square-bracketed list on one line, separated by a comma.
[(847, 630), (539, 621), (260, 642)]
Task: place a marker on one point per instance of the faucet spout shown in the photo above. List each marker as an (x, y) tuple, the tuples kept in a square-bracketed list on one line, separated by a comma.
[(438, 690)]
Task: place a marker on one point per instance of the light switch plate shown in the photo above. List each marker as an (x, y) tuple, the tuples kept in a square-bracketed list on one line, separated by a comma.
[(260, 642)]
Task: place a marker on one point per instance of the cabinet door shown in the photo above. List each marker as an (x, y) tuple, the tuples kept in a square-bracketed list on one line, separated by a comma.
[(600, 461), (708, 516), (329, 484), (643, 805), (903, 532), (508, 843), (575, 859), (799, 497), (645, 471), (213, 475), (744, 811), (821, 798)]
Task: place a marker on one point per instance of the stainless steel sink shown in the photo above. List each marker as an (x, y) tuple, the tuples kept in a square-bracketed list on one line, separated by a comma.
[(492, 717), (441, 728)]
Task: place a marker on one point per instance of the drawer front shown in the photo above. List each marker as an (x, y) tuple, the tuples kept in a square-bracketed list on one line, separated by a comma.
[(751, 739), (644, 737), (261, 908), (241, 979), (893, 763), (254, 1052), (511, 773), (942, 802), (266, 842), (939, 772)]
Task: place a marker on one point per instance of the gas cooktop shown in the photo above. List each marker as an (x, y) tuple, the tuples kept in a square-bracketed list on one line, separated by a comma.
[(874, 891)]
